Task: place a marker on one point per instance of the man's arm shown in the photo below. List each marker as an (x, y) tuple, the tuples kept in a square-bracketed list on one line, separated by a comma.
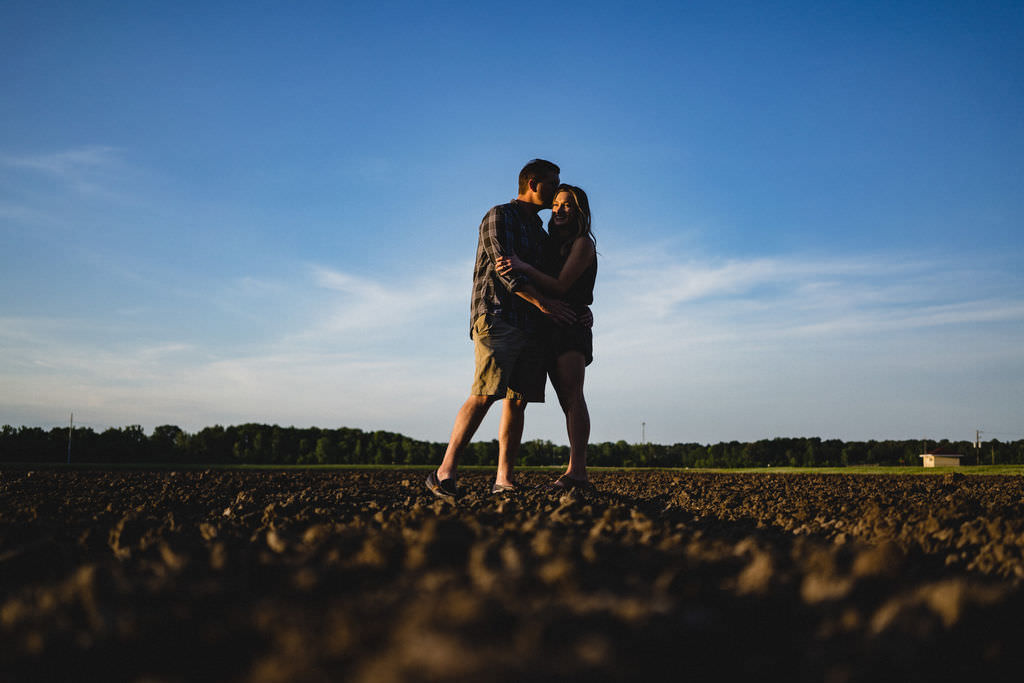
[(557, 310), (496, 239)]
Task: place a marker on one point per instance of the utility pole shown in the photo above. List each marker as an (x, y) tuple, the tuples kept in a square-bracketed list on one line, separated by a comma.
[(71, 424), (643, 433), (977, 446)]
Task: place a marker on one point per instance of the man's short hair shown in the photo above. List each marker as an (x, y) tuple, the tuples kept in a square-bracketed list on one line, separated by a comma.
[(538, 168)]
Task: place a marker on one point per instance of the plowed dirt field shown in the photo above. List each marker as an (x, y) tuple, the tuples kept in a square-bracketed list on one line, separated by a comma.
[(363, 576)]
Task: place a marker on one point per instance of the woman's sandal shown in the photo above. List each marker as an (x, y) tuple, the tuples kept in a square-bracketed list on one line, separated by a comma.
[(567, 483)]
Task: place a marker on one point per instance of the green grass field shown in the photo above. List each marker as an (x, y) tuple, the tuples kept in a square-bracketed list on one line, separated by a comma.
[(879, 469)]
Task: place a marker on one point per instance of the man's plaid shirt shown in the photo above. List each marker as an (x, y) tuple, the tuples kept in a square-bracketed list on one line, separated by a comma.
[(506, 228)]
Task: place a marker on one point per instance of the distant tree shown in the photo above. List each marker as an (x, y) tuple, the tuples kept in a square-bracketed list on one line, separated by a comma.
[(165, 443), (258, 443), (811, 453), (212, 444), (126, 445), (326, 451)]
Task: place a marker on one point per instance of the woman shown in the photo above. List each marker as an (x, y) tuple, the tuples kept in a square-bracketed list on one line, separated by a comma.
[(568, 272)]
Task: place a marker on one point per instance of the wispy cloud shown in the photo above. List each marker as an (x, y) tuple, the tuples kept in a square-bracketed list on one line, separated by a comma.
[(406, 306), (88, 170), (802, 296), (701, 351), (19, 213), (805, 345), (67, 162)]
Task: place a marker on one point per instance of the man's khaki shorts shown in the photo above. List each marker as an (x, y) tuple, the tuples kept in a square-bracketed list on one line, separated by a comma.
[(509, 363)]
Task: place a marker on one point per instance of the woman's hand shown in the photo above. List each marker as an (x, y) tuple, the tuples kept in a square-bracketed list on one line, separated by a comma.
[(506, 265)]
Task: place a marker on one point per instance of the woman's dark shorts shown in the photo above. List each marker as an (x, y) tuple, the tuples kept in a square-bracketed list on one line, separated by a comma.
[(572, 338)]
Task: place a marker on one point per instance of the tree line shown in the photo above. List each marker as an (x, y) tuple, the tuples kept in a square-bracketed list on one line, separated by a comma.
[(275, 445)]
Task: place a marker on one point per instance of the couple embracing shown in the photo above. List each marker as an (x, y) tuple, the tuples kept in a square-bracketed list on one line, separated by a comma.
[(530, 320)]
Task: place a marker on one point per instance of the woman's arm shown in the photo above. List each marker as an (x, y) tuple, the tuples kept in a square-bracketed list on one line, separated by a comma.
[(581, 255)]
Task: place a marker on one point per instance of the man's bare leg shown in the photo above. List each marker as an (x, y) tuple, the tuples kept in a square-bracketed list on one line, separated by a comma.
[(510, 434), (467, 420)]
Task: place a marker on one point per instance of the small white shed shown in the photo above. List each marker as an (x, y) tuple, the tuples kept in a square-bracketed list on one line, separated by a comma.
[(940, 459)]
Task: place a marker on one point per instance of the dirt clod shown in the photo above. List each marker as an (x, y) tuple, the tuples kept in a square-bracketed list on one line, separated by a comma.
[(321, 576)]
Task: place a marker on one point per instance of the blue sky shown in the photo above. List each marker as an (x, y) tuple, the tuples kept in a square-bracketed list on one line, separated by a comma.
[(809, 215)]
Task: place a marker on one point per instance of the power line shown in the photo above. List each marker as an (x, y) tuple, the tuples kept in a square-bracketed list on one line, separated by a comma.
[(71, 426)]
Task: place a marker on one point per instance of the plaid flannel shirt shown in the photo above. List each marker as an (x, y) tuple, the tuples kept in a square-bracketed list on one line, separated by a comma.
[(506, 228)]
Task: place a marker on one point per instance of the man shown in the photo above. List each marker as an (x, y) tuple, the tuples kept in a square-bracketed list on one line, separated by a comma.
[(506, 317)]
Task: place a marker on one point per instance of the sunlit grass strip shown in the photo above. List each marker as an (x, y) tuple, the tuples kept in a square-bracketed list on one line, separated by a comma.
[(865, 469)]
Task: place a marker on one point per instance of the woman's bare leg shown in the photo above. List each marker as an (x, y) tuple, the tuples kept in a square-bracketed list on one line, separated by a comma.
[(567, 377)]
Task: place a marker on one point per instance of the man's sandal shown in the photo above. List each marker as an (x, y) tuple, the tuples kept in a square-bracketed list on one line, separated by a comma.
[(442, 489)]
